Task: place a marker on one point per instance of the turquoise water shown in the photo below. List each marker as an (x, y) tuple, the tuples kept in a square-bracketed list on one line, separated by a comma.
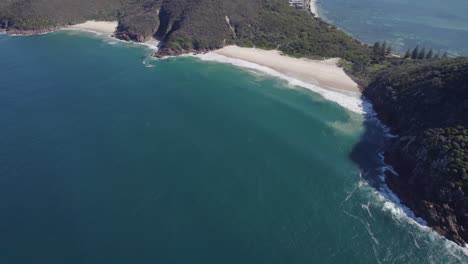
[(109, 157), (441, 25)]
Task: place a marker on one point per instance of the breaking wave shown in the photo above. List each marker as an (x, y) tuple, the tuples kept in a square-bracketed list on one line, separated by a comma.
[(352, 103)]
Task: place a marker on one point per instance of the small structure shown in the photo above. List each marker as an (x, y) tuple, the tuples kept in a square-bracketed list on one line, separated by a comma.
[(299, 4)]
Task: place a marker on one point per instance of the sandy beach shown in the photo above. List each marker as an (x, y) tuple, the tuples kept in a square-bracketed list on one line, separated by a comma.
[(102, 27), (108, 29), (313, 7), (325, 74)]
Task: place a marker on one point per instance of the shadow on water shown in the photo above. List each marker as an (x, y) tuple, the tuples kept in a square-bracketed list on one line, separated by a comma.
[(368, 152)]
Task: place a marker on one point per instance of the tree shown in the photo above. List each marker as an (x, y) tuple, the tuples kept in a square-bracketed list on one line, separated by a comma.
[(376, 48), (436, 56), (445, 55), (407, 54), (383, 48), (415, 53), (389, 50), (422, 54), (430, 54)]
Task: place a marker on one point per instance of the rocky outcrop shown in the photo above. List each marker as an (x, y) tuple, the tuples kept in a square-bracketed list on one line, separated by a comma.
[(426, 104), (167, 52)]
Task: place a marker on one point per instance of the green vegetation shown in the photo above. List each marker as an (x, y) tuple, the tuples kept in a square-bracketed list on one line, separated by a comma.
[(381, 50), (188, 25), (451, 142), (425, 102), (40, 15), (416, 54)]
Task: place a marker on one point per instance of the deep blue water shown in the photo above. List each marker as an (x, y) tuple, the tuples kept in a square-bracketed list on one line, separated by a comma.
[(440, 25), (109, 157)]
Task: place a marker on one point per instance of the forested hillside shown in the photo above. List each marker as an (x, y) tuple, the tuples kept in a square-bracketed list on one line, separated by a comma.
[(426, 103), (42, 15), (194, 25)]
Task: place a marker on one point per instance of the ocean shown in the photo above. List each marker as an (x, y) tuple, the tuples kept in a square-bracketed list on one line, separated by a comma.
[(109, 156), (440, 25)]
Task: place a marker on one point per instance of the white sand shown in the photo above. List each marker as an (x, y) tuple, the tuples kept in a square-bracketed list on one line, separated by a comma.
[(152, 44), (102, 27), (325, 74), (313, 7), (107, 28)]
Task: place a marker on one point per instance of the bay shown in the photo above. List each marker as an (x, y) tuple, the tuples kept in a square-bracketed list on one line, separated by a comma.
[(109, 156)]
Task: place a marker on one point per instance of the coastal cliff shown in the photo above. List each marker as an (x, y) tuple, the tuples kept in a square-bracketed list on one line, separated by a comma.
[(426, 104)]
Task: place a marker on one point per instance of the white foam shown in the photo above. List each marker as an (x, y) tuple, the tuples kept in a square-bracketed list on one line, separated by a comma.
[(147, 63), (397, 208), (351, 103), (18, 35), (391, 204), (366, 207), (85, 30), (152, 44), (27, 35)]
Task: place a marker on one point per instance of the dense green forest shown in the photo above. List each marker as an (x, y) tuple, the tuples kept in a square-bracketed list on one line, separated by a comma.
[(425, 102), (195, 25), (38, 15)]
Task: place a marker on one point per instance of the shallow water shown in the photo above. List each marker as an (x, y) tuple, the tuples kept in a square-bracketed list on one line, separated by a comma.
[(441, 25), (110, 157)]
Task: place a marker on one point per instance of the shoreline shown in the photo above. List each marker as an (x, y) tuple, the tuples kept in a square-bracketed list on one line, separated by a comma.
[(324, 77), (323, 83), (351, 101), (324, 73), (107, 28)]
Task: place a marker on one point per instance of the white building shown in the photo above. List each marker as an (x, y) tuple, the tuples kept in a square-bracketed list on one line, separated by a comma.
[(302, 4)]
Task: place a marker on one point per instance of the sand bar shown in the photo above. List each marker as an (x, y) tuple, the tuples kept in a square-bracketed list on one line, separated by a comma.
[(325, 74)]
